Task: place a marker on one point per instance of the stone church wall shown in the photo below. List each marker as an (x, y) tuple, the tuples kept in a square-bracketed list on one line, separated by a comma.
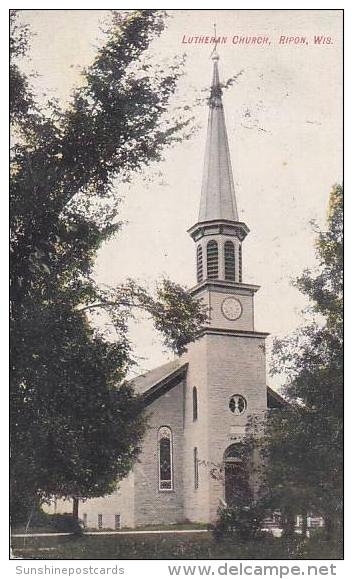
[(235, 365), (118, 504), (195, 433), (111, 512), (246, 320), (153, 506)]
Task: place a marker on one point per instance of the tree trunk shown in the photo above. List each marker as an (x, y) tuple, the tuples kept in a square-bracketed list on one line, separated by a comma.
[(329, 527), (75, 503), (304, 524), (288, 524), (29, 521)]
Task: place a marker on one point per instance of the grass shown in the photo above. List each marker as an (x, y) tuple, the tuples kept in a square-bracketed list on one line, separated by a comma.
[(175, 527), (47, 528), (171, 546)]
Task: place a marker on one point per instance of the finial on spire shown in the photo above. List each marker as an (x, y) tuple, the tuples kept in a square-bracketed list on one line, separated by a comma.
[(215, 99), (214, 53)]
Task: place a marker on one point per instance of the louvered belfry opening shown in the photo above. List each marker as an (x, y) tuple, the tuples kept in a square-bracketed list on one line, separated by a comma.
[(229, 261), (199, 264), (212, 260), (240, 261)]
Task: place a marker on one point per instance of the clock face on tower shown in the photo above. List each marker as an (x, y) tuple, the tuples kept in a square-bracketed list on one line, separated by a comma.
[(231, 308)]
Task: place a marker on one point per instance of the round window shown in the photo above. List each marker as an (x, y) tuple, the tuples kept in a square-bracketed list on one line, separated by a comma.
[(237, 404)]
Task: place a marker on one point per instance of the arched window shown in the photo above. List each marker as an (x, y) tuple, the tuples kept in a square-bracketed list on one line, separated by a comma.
[(165, 459), (212, 260), (196, 468), (199, 263), (194, 404), (236, 475), (240, 264), (229, 261)]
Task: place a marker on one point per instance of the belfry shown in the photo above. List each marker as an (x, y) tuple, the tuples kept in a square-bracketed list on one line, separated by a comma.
[(199, 404), (218, 214)]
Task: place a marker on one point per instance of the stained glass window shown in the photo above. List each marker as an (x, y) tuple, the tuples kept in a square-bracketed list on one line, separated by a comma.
[(165, 452), (237, 404)]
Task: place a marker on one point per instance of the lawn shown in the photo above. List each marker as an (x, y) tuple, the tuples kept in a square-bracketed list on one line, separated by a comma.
[(170, 546)]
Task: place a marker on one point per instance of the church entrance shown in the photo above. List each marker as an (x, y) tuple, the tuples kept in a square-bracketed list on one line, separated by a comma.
[(236, 476)]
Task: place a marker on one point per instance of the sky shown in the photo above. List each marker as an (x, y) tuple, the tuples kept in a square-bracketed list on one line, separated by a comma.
[(284, 127)]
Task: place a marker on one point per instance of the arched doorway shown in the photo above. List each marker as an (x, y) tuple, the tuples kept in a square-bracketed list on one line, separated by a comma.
[(236, 476)]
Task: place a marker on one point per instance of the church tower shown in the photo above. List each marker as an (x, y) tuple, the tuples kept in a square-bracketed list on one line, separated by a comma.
[(198, 405), (226, 380)]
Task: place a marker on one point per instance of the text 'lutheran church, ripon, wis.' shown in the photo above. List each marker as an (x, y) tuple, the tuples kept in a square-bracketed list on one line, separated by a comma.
[(199, 404)]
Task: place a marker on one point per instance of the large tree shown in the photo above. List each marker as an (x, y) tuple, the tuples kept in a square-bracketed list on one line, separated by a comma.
[(302, 442), (75, 423)]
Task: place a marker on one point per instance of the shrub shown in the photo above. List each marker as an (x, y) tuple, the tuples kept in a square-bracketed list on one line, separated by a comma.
[(243, 520), (65, 523)]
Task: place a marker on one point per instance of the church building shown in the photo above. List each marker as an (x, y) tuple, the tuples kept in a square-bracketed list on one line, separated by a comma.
[(198, 405)]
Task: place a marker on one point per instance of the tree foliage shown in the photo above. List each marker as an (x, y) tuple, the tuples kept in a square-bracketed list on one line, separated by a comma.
[(76, 424), (302, 443)]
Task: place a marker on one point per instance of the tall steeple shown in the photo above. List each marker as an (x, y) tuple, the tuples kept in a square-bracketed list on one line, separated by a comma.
[(217, 194), (226, 366), (218, 232)]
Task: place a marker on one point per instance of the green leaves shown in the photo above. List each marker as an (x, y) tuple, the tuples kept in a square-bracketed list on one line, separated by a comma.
[(302, 445), (76, 426), (178, 315), (175, 313)]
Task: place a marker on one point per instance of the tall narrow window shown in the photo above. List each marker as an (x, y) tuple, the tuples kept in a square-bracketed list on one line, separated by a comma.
[(199, 263), (85, 520), (240, 264), (236, 476), (212, 260), (194, 404), (100, 521), (117, 522), (196, 468), (165, 459), (229, 261)]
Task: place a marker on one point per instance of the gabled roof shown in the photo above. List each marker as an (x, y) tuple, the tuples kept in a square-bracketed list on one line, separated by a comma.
[(160, 380), (275, 400), (152, 377)]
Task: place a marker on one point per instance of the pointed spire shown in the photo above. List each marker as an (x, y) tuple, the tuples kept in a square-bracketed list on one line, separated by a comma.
[(217, 195)]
